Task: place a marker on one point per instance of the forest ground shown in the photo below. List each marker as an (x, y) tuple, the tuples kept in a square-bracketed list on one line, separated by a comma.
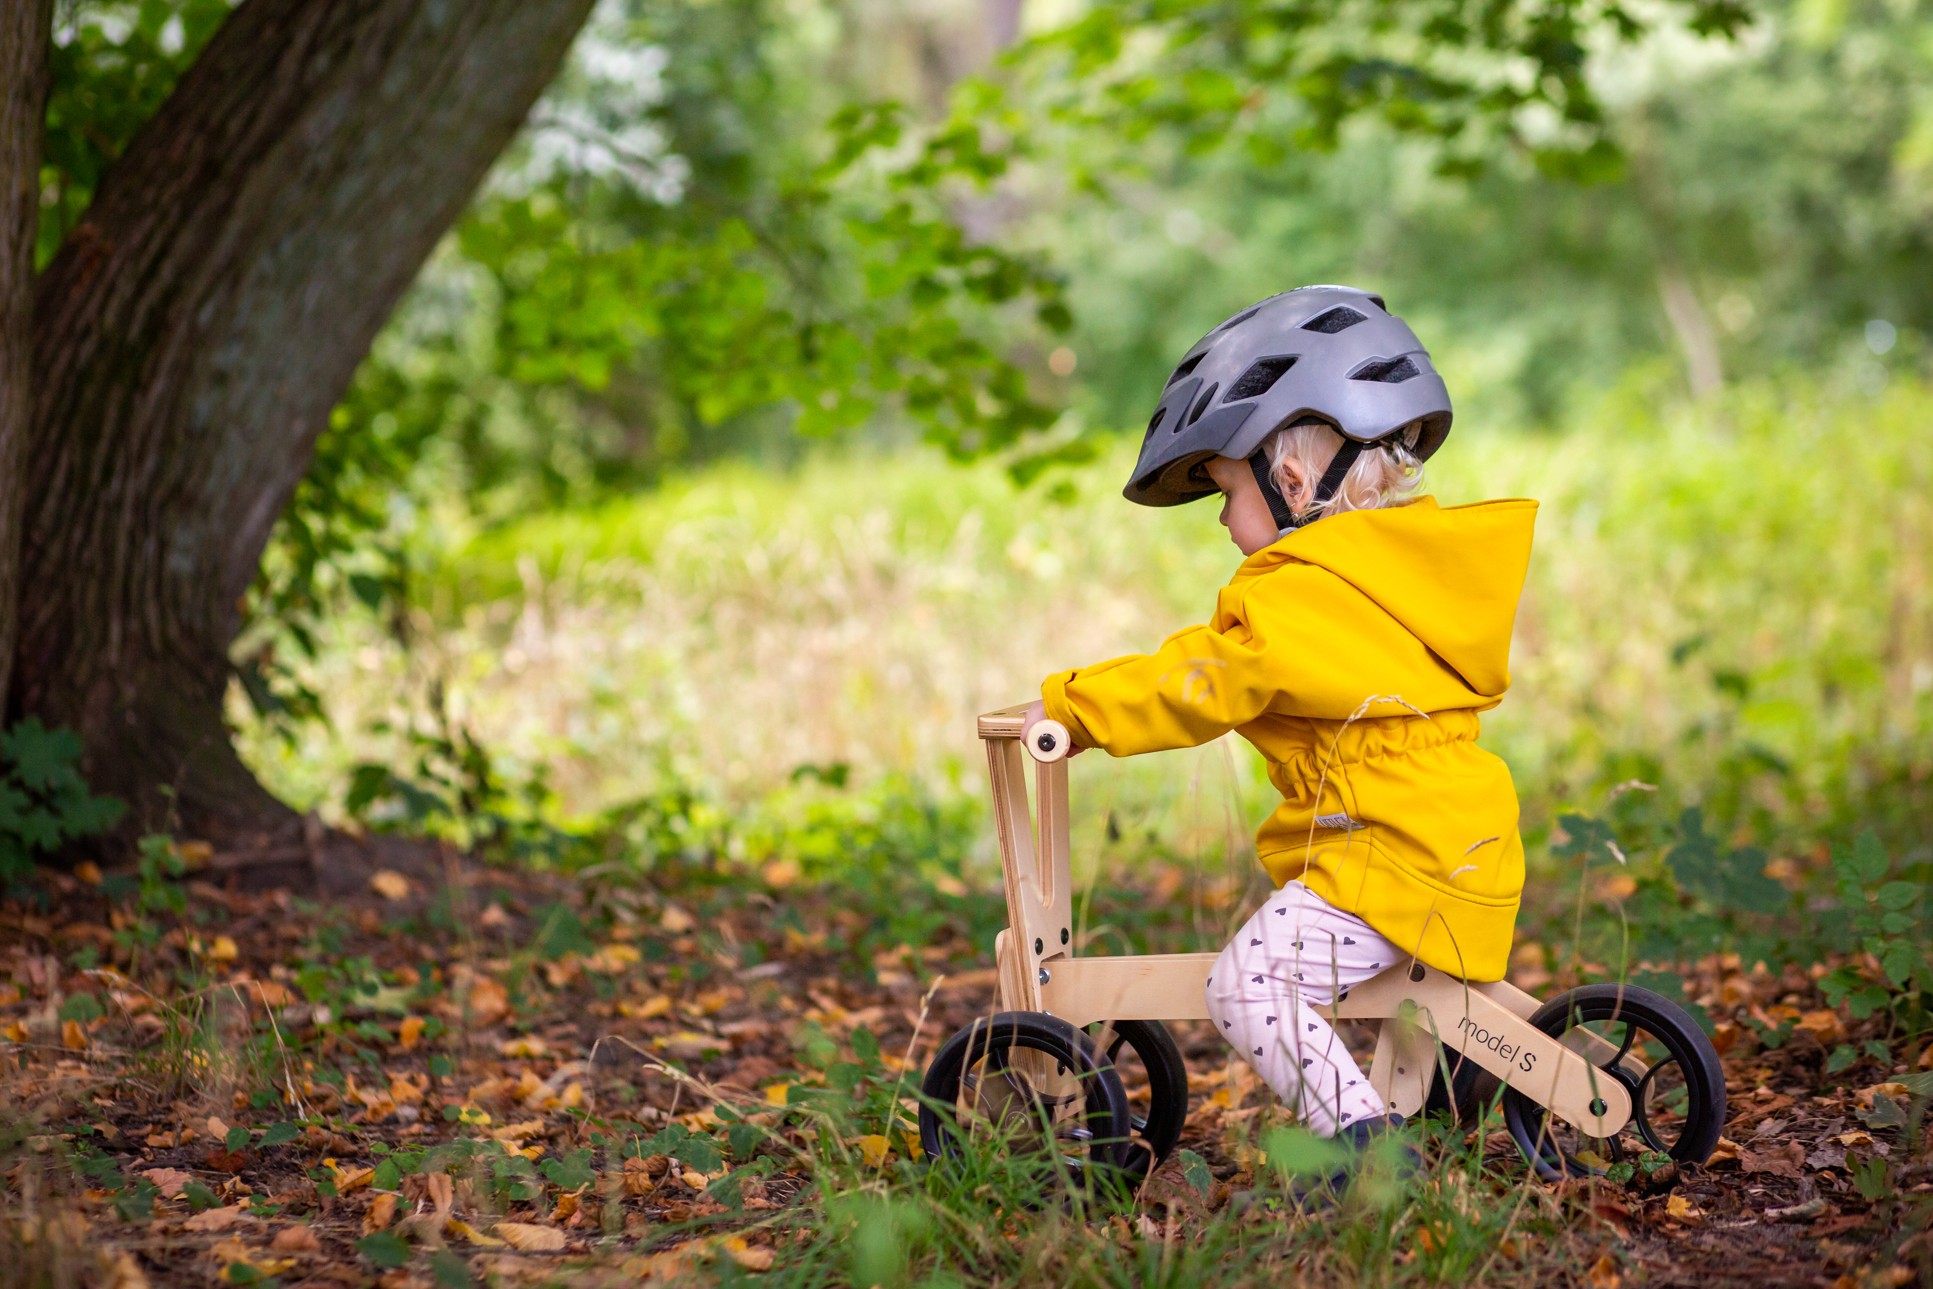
[(518, 1078)]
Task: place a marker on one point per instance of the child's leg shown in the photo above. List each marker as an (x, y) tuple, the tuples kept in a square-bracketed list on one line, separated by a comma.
[(1297, 953)]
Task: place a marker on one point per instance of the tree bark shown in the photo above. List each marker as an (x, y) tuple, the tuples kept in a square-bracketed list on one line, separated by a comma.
[(24, 27), (192, 335)]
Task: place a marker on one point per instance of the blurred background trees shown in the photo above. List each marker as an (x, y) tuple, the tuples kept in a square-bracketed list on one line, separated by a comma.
[(753, 231)]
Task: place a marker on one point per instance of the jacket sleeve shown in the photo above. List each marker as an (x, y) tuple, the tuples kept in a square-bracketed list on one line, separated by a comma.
[(1198, 685)]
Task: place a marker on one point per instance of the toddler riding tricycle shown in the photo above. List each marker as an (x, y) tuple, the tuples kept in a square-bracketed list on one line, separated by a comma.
[(1594, 1076)]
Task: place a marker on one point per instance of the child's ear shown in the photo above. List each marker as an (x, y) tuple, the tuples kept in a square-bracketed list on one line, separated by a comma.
[(1294, 482)]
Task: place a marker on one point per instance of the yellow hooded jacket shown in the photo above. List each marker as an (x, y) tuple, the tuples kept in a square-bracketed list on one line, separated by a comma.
[(1355, 655)]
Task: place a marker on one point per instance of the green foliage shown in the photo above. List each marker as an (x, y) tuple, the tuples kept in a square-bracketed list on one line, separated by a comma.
[(1887, 917), (44, 801), (111, 65)]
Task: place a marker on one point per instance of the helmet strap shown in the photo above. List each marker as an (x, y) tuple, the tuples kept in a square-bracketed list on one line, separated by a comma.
[(1331, 481)]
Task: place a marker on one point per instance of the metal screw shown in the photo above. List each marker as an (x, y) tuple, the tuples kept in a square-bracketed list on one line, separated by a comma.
[(1597, 1105), (1044, 977), (1045, 742)]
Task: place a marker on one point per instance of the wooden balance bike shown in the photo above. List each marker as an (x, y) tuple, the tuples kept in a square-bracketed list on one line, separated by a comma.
[(1595, 1076)]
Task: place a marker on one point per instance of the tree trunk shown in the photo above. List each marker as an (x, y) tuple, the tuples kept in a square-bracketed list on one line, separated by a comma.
[(24, 26), (192, 335)]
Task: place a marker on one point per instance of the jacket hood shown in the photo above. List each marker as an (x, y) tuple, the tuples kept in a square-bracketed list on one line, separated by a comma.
[(1451, 576)]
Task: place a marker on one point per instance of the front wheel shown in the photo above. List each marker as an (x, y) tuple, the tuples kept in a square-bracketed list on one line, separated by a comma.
[(1026, 1082), (1652, 1048)]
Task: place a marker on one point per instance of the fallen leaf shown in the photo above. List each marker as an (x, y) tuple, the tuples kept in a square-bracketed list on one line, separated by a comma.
[(528, 1238), (748, 1255), (382, 1211), (675, 920), (216, 1127), (1824, 1025), (1782, 1161), (169, 1180), (1896, 1091), (876, 1149), (442, 1192), (1681, 1209), (295, 1239), (215, 1219), (1797, 1212), (525, 1046), (389, 884), (486, 1001), (89, 872), (458, 1229), (650, 1009), (1604, 1273), (411, 1033), (72, 1036)]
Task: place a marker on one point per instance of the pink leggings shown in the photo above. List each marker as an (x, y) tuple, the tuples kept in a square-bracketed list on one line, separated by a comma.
[(1297, 953)]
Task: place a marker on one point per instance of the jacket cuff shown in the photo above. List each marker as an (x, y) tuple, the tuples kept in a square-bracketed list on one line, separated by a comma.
[(1053, 696)]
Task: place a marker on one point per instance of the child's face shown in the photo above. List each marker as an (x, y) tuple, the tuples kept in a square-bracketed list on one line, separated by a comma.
[(1245, 512)]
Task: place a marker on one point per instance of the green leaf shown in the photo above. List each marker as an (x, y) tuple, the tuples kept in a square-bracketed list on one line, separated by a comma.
[(1897, 895), (387, 1176), (385, 1249), (1868, 862), (1843, 1056), (42, 758), (278, 1133), (236, 1138), (700, 1152), (1194, 1170), (1900, 960)]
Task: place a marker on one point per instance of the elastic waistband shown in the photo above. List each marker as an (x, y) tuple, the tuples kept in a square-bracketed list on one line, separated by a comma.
[(1325, 745)]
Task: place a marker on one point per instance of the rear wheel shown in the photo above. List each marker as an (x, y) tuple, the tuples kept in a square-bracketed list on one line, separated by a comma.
[(1032, 1083), (1653, 1049)]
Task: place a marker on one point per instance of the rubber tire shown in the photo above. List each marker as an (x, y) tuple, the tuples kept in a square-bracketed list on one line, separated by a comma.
[(1665, 1021), (1106, 1098), (1152, 1140)]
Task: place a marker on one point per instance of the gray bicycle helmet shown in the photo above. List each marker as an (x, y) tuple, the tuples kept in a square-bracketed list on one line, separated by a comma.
[(1329, 352)]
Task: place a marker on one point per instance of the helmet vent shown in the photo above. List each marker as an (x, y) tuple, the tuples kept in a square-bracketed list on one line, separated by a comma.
[(1390, 371), (1340, 318), (1188, 365), (1201, 404), (1260, 376), (1154, 422), (1240, 318)]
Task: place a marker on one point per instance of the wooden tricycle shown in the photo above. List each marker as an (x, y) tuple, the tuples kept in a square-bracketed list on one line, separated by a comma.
[(1596, 1075)]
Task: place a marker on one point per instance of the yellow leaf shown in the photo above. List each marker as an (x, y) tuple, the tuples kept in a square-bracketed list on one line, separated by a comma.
[(295, 1239), (458, 1229), (412, 1033), (72, 1036), (527, 1238), (194, 854), (527, 1046), (1682, 1209), (778, 1093), (675, 920), (89, 872), (223, 949), (875, 1148), (15, 1032), (650, 1009), (748, 1255), (389, 884), (1604, 1273)]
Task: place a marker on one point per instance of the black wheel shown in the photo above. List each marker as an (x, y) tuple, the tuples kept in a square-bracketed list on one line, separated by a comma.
[(1027, 1078), (1151, 1070), (1656, 1052)]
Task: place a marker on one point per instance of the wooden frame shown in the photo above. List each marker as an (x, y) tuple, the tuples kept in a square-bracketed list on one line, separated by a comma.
[(1415, 1008)]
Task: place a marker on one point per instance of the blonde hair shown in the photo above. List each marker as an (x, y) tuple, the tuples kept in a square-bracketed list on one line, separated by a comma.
[(1299, 454)]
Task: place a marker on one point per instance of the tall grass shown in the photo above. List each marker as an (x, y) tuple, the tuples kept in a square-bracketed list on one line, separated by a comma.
[(1730, 599)]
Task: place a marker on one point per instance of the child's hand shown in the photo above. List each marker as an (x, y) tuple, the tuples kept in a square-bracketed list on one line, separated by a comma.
[(1036, 713)]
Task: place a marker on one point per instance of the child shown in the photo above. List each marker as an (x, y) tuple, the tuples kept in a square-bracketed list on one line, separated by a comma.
[(1354, 653)]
